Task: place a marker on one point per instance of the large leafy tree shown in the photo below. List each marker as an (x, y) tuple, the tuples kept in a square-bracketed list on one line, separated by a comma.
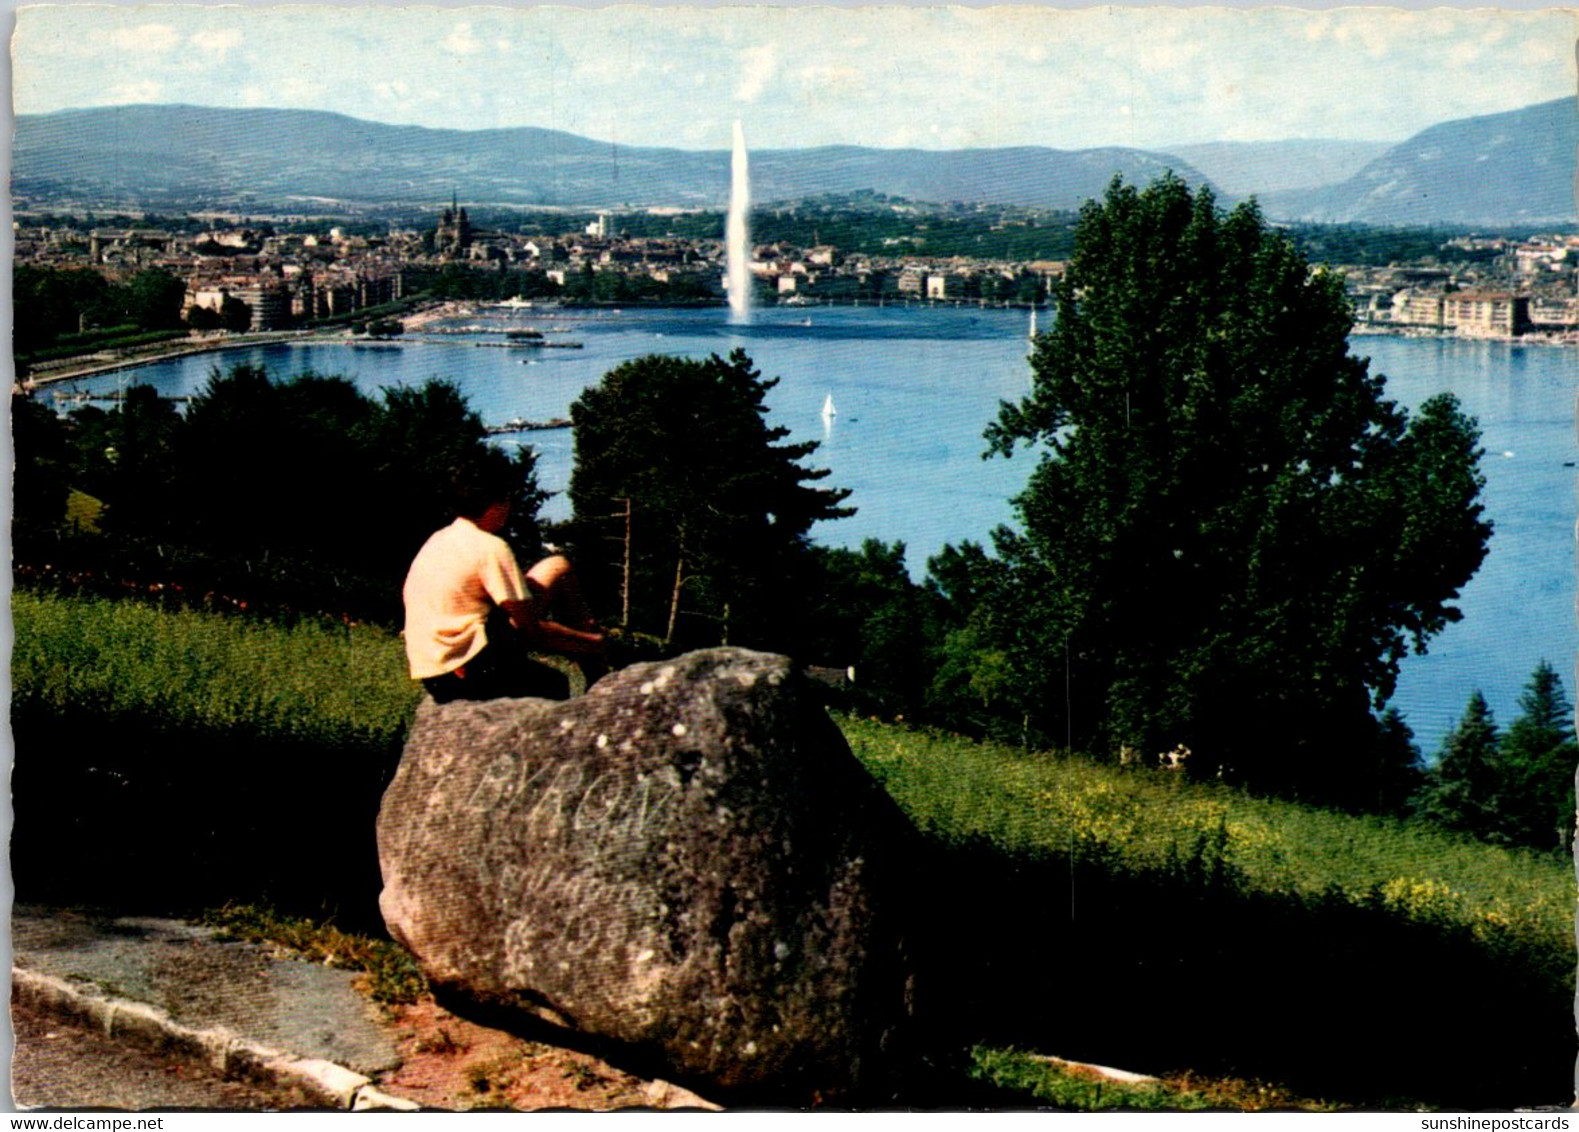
[(1231, 537), (676, 467), (273, 467)]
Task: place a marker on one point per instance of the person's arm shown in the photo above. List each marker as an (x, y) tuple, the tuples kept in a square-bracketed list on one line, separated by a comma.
[(550, 636)]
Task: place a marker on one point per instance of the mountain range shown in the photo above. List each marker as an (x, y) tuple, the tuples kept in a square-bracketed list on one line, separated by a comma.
[(1502, 169)]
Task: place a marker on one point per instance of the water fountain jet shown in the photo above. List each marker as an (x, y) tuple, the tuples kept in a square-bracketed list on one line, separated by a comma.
[(737, 238)]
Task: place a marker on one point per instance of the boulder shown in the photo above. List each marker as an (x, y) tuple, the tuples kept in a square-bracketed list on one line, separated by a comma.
[(685, 866)]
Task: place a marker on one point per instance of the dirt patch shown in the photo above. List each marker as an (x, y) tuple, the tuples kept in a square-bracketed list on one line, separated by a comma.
[(452, 1064)]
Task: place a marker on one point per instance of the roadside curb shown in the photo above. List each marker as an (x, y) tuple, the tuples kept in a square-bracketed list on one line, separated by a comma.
[(333, 1086)]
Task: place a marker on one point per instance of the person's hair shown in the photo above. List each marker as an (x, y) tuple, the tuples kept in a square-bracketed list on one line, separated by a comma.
[(482, 481)]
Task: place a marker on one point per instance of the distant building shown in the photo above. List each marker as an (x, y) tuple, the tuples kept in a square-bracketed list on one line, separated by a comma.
[(1559, 315), (944, 286), (267, 299), (453, 238), (1486, 313), (1418, 308), (110, 245)]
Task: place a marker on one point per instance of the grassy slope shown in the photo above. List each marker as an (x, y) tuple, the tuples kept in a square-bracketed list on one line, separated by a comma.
[(1297, 891), (312, 679), (1152, 822)]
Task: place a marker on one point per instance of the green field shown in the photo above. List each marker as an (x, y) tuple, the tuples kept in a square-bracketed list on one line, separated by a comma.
[(1125, 916)]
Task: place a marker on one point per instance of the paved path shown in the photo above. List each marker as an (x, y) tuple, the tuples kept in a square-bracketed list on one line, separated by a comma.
[(176, 987), (59, 1065), (203, 983)]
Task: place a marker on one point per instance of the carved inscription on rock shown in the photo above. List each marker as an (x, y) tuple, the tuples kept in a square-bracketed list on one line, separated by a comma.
[(686, 862)]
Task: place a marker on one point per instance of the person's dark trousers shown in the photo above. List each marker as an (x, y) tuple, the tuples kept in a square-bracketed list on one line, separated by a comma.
[(503, 670)]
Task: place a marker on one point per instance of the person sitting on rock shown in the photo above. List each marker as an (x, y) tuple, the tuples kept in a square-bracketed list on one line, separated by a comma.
[(472, 617)]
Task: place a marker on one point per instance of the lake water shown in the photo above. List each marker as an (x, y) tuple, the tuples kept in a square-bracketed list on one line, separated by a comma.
[(914, 388)]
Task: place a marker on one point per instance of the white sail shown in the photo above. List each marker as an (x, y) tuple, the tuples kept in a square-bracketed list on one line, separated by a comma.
[(827, 408)]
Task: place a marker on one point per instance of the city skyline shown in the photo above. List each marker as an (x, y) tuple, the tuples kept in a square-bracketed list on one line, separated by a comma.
[(894, 77)]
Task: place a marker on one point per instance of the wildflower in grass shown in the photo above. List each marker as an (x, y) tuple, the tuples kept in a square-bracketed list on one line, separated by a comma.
[(1425, 900), (1175, 759)]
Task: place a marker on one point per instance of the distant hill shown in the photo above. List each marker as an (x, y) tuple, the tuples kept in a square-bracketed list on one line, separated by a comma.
[(1498, 169), (186, 156), (1256, 168)]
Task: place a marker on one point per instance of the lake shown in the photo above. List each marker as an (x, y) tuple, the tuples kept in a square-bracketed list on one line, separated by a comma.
[(913, 389)]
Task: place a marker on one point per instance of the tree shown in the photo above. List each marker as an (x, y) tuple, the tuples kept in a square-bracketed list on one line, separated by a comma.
[(235, 315), (202, 318), (1511, 789), (125, 458), (676, 467), (152, 300), (1461, 791), (296, 491), (1231, 537), (1535, 791), (41, 471), (864, 612), (976, 687), (415, 437), (1399, 771), (48, 303)]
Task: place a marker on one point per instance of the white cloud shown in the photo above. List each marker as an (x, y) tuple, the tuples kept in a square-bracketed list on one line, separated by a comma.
[(298, 90), (462, 41), (285, 91), (832, 80), (156, 38), (875, 75), (758, 65), (610, 70), (218, 43), (146, 91)]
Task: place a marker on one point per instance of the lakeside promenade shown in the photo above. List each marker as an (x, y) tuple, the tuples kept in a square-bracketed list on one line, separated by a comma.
[(93, 365), (101, 362)]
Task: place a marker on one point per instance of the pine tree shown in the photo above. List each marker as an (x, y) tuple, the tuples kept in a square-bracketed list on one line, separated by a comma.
[(1399, 770), (676, 467), (1461, 790), (1535, 793)]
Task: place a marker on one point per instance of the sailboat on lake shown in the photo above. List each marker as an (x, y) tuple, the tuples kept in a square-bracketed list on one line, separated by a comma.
[(828, 412)]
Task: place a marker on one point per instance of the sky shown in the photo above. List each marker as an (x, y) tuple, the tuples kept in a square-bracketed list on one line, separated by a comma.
[(928, 77)]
